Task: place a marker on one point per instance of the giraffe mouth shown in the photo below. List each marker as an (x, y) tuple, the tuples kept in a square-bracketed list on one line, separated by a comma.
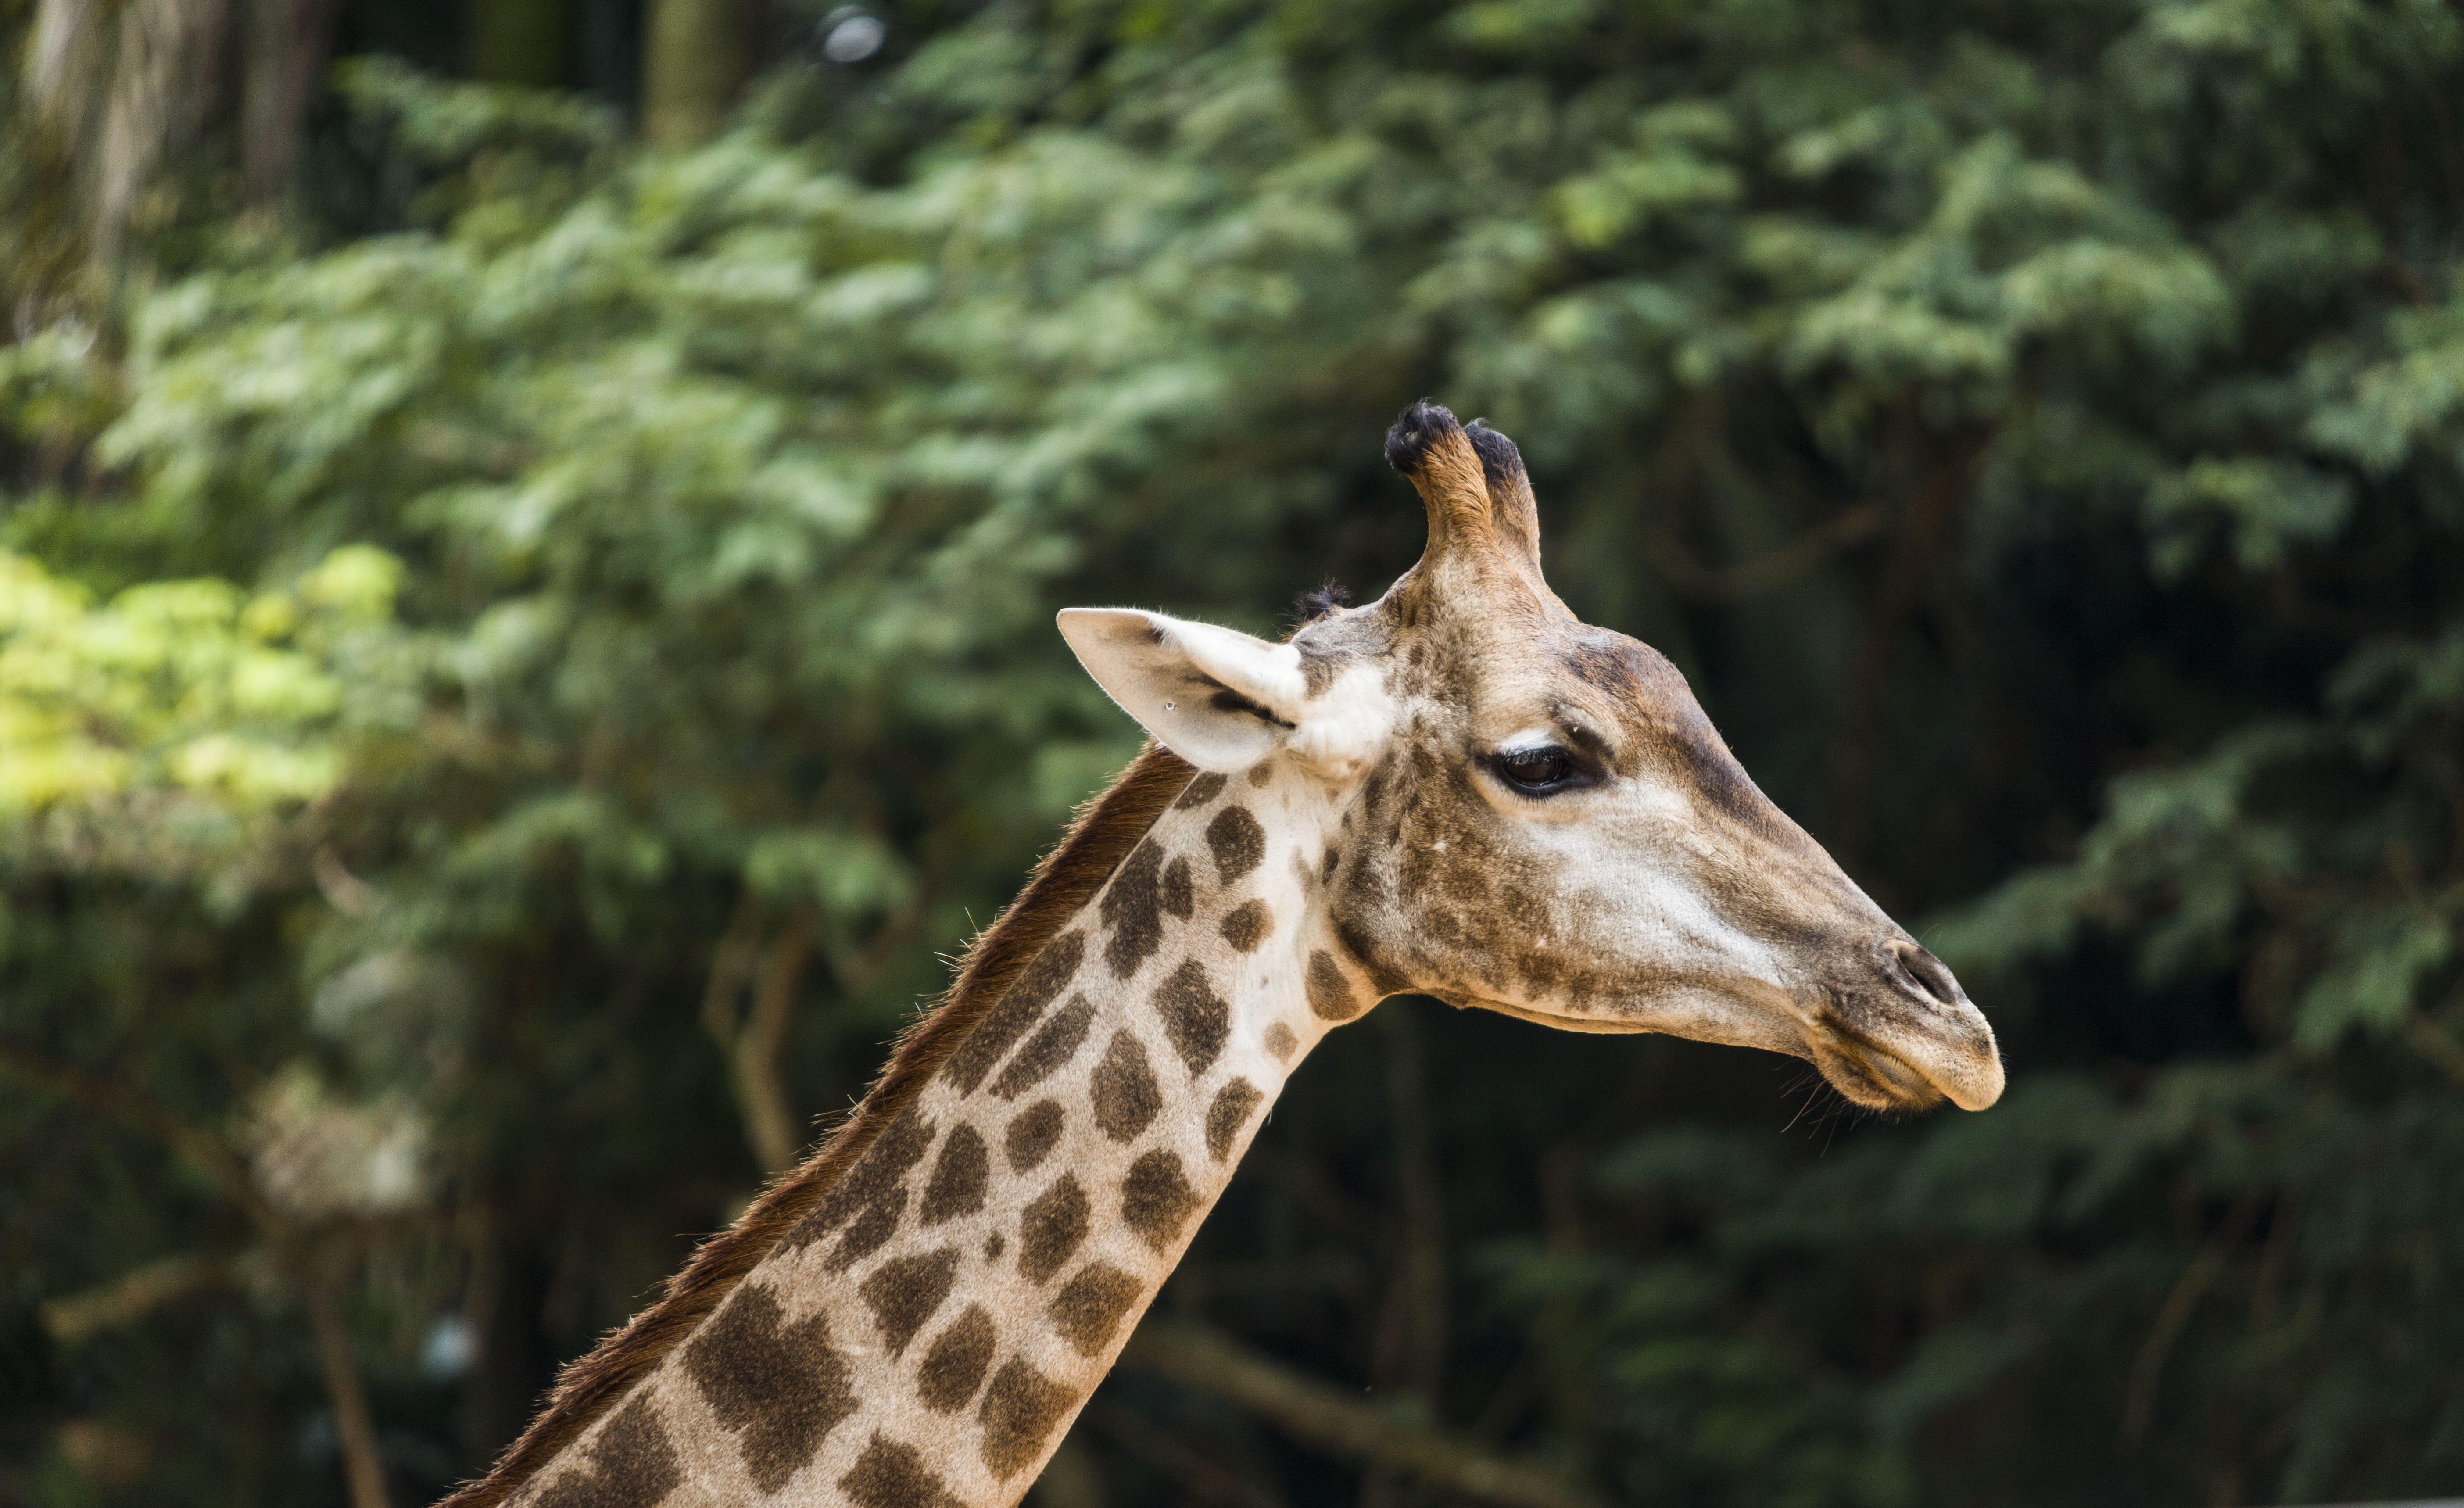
[(1870, 1075), (1917, 1071)]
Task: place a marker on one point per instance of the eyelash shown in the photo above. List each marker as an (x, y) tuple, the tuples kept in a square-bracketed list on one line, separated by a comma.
[(1563, 772)]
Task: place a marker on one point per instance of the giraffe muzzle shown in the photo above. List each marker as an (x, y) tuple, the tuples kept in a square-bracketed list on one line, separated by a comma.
[(1908, 1038)]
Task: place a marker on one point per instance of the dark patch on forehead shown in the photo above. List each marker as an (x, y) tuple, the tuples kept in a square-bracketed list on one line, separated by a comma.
[(1156, 1200), (954, 1365), (1127, 1098), (1281, 1041), (1723, 781), (1669, 724), (632, 1464), (1203, 789), (1176, 892), (1331, 995), (1019, 1007), (1031, 1136), (891, 1473), (1194, 1017), (1231, 1110), (906, 1291), (1019, 1410), (778, 1387), (1132, 909), (1053, 1044), (959, 1173), (1088, 1310), (1247, 925), (872, 1184), (1613, 665), (1238, 841), (1050, 1228), (1319, 670)]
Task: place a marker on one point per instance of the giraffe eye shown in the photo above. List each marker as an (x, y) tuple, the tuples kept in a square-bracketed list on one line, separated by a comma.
[(1538, 772)]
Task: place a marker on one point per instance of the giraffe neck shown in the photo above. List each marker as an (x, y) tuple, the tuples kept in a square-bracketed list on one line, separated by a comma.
[(926, 1335)]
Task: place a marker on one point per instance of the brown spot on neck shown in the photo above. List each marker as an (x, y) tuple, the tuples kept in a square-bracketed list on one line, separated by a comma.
[(1156, 1200), (1126, 1096), (891, 1473), (1247, 925), (632, 1464), (1054, 1044), (956, 1186), (1133, 911), (1019, 1010), (1195, 1018), (1031, 1136), (1050, 1228), (1203, 789), (1019, 1413), (779, 1388), (1088, 1308), (955, 1366), (1237, 842), (1233, 1105), (905, 1291), (1331, 995)]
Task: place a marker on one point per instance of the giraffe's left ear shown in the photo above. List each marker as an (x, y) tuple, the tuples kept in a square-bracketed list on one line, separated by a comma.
[(1219, 698)]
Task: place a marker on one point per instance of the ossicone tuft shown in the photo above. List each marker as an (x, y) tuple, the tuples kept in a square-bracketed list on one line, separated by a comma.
[(1424, 424), (1500, 463), (1328, 598)]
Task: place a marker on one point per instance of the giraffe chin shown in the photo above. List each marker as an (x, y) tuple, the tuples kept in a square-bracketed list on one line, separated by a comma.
[(1876, 1077)]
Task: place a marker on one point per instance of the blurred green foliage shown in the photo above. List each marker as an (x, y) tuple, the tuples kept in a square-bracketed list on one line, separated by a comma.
[(445, 667)]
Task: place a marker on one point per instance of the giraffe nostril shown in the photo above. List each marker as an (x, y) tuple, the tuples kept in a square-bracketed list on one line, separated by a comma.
[(1925, 971)]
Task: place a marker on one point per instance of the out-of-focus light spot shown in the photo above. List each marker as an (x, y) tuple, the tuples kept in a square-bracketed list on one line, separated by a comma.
[(448, 1348), (850, 36)]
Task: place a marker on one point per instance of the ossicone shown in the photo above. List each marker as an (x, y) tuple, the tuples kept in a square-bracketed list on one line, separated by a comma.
[(1472, 482)]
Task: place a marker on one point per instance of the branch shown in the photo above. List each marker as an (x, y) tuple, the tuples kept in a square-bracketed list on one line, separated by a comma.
[(134, 1295), (209, 1154), (1310, 1411), (768, 1124), (362, 1467)]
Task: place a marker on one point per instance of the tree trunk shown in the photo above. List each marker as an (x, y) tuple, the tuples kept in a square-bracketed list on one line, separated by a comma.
[(286, 42), (693, 62), (527, 42)]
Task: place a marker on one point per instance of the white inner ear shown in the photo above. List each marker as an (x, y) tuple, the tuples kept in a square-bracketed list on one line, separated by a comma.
[(1219, 698)]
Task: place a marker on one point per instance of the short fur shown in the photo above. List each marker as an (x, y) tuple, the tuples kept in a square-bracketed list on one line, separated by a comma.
[(1103, 832)]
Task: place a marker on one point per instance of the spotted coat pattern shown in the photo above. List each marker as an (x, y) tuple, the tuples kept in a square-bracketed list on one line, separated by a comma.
[(926, 1335)]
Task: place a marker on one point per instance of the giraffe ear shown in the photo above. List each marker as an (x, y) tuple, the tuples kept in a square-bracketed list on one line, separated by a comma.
[(1219, 698)]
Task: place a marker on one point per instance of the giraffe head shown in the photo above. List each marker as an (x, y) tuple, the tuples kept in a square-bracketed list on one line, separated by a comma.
[(1534, 816)]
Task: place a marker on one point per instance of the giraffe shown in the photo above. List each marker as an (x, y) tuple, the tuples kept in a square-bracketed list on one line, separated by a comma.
[(1459, 789)]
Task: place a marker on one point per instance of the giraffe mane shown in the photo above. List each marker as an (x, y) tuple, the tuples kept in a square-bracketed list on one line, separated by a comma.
[(1099, 837)]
